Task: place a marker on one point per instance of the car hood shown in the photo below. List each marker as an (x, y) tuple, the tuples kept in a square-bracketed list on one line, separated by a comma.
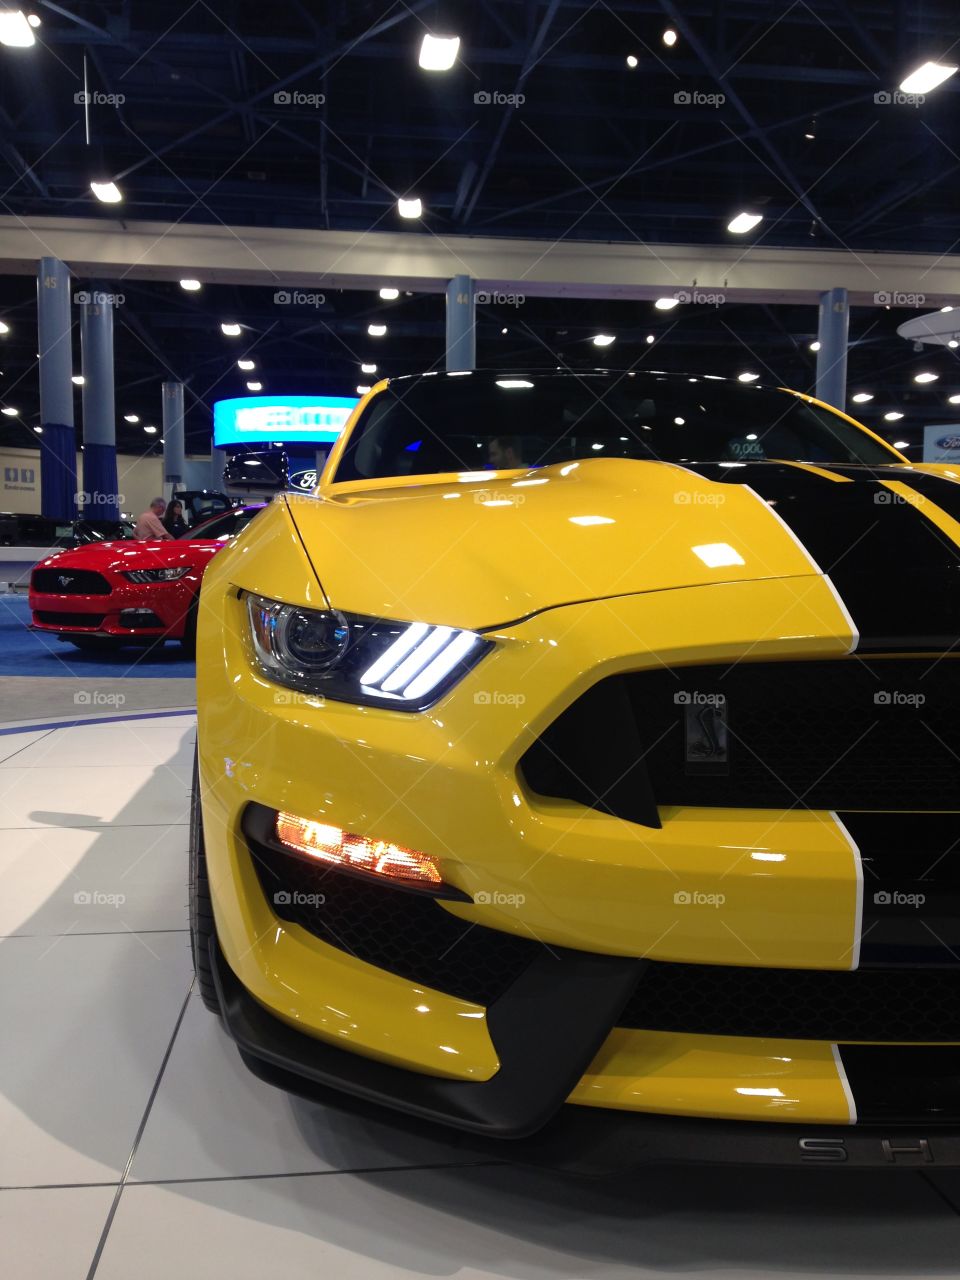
[(107, 557), (480, 550)]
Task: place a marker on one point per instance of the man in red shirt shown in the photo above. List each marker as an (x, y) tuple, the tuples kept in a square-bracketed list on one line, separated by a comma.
[(149, 527)]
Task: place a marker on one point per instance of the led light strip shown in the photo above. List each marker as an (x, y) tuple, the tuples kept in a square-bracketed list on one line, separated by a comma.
[(418, 661)]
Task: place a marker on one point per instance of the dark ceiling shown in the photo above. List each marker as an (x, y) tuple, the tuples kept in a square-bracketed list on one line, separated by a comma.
[(199, 130)]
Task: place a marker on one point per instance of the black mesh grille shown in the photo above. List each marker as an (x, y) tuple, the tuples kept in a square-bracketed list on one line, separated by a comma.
[(874, 1005), (51, 619), (882, 733), (405, 933), (70, 582)]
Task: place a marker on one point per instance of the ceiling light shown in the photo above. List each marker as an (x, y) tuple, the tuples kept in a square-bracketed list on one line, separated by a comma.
[(131, 417), (254, 386), (229, 329), (632, 61), (603, 340), (376, 330), (388, 293), (747, 377), (191, 286), (669, 37), (368, 368), (15, 30), (926, 377), (679, 422), (246, 365), (954, 400), (504, 330), (10, 412), (901, 444), (39, 431), (650, 338), (33, 20), (410, 207), (108, 192), (666, 304), (892, 416), (4, 327), (927, 77), (862, 397), (362, 390), (814, 346), (151, 431), (744, 222), (438, 53), (78, 379)]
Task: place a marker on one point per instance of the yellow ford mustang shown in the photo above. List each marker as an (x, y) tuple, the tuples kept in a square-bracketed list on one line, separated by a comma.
[(580, 765)]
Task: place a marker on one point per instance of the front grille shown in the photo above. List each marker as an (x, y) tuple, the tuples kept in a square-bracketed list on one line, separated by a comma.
[(405, 933), (51, 619), (69, 582), (798, 1004), (882, 733)]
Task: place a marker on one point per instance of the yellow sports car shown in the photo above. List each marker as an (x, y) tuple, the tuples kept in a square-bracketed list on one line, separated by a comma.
[(580, 764)]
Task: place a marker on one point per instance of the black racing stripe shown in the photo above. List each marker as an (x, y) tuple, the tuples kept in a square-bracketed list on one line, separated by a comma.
[(897, 574), (903, 1083), (945, 493), (911, 887)]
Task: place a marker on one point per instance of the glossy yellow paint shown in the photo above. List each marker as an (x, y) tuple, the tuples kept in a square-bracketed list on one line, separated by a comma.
[(822, 472), (934, 513), (723, 1077)]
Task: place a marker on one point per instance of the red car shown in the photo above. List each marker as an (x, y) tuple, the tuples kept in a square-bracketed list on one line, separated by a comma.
[(110, 593)]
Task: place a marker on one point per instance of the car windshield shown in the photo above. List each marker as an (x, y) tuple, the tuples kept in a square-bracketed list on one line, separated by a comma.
[(218, 528), (431, 424)]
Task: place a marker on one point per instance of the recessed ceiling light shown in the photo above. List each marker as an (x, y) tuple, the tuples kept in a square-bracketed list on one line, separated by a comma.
[(131, 417), (78, 379), (927, 77), (229, 329), (368, 368), (107, 192), (191, 286), (901, 444), (438, 53), (747, 377), (504, 330), (953, 400), (151, 431), (814, 346), (892, 416), (410, 207), (744, 222), (669, 37), (926, 377), (39, 431), (650, 339), (603, 339), (362, 390), (254, 386), (4, 327), (666, 304), (33, 20), (376, 330), (862, 397), (246, 365), (9, 411), (388, 293), (15, 30), (679, 422), (632, 61)]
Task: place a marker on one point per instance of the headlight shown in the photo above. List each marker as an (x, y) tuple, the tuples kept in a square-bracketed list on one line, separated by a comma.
[(155, 575), (351, 658)]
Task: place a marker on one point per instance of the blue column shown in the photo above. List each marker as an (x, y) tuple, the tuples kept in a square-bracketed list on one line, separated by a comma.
[(58, 443), (832, 357), (101, 501), (461, 324), (173, 444)]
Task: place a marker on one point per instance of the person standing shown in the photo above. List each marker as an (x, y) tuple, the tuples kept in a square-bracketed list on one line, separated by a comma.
[(149, 527), (173, 521)]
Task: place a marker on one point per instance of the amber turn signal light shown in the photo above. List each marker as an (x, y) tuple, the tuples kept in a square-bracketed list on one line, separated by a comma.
[(325, 843)]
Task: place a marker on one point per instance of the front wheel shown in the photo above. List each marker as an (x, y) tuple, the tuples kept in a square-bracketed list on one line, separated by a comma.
[(202, 927)]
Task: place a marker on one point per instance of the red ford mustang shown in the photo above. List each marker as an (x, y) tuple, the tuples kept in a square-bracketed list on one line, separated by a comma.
[(110, 593)]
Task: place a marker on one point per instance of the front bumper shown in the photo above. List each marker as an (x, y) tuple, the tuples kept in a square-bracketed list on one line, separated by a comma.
[(111, 615)]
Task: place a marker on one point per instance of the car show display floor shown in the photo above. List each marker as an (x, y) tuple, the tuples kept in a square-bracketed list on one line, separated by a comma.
[(133, 1142)]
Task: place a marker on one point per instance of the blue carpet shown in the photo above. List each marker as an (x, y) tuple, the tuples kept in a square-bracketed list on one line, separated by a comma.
[(30, 653)]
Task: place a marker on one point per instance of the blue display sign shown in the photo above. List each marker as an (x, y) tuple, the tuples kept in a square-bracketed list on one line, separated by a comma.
[(290, 419)]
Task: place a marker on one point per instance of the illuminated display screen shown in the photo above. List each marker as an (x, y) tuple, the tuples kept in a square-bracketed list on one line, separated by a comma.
[(268, 419)]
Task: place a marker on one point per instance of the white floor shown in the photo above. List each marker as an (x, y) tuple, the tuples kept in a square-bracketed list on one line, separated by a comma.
[(133, 1143)]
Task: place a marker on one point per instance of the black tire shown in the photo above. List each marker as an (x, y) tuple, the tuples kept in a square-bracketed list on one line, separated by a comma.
[(94, 644), (202, 927), (189, 638)]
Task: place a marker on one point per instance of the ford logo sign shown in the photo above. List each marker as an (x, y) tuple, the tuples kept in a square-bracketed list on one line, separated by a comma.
[(948, 442)]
